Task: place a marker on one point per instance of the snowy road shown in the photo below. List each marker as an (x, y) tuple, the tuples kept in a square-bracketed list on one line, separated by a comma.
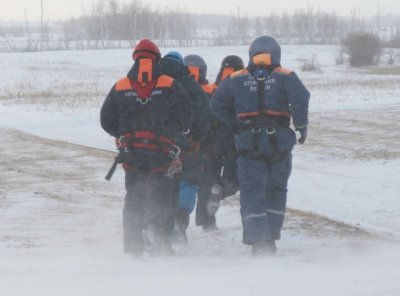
[(56, 196), (61, 235)]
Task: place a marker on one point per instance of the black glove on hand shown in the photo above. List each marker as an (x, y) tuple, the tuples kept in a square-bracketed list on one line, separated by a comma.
[(303, 134)]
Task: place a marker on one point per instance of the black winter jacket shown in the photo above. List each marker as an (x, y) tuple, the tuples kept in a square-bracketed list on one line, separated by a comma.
[(166, 110), (200, 101)]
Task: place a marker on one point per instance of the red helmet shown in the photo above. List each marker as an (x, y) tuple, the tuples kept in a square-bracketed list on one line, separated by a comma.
[(146, 48)]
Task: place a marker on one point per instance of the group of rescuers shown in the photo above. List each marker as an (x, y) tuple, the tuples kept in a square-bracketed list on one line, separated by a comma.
[(182, 139)]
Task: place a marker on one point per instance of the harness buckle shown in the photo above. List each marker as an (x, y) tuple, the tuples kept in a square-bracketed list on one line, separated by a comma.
[(186, 132), (270, 131), (143, 101)]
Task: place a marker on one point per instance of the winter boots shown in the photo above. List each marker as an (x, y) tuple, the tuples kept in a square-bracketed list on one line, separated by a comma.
[(263, 248), (212, 207), (181, 224), (157, 242), (215, 198)]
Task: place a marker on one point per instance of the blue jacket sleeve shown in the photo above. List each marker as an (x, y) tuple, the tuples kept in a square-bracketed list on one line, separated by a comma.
[(222, 103), (109, 114), (181, 108), (201, 113), (298, 98)]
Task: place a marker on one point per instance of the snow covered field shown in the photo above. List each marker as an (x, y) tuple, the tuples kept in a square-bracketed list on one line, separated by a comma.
[(60, 222)]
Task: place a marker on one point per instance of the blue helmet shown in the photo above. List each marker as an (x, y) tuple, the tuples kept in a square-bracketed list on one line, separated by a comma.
[(196, 61), (266, 44), (174, 55)]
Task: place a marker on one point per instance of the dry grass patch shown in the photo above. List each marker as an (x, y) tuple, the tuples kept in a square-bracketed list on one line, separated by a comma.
[(393, 70), (356, 134)]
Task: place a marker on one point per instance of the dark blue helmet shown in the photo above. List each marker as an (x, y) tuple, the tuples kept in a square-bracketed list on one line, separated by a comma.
[(197, 61), (232, 61), (229, 64), (268, 45), (174, 55)]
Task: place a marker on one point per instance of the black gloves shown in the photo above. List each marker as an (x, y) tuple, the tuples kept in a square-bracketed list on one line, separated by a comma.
[(303, 134)]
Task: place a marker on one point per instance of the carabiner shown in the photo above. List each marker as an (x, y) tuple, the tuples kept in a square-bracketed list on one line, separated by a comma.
[(175, 154)]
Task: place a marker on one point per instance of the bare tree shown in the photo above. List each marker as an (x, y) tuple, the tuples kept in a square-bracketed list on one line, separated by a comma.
[(258, 27), (378, 15), (28, 33), (97, 23), (161, 32), (285, 29), (41, 25), (272, 24), (356, 22)]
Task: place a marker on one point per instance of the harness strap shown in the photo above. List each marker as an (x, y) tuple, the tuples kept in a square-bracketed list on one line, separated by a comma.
[(131, 167), (260, 106), (262, 120), (276, 157), (152, 141), (264, 112), (148, 140)]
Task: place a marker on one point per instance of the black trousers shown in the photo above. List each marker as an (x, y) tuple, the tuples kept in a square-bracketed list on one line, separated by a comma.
[(151, 199), (210, 175)]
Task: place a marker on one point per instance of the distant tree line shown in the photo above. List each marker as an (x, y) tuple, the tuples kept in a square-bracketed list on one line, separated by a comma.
[(111, 21), (110, 24)]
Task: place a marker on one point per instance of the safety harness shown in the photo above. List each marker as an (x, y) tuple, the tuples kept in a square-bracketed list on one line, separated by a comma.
[(151, 141), (263, 120), (166, 156), (145, 148)]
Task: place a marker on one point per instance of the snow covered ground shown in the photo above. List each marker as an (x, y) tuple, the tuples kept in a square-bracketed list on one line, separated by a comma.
[(60, 222)]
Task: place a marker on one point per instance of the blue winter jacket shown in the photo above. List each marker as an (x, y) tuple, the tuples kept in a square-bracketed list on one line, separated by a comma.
[(285, 97)]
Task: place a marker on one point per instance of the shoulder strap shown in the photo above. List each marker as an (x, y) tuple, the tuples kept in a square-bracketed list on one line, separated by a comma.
[(260, 74), (261, 94)]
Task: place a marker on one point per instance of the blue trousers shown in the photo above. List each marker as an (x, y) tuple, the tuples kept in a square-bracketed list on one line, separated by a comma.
[(263, 194)]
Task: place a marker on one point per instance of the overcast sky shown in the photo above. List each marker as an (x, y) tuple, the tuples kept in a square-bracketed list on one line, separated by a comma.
[(62, 9)]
